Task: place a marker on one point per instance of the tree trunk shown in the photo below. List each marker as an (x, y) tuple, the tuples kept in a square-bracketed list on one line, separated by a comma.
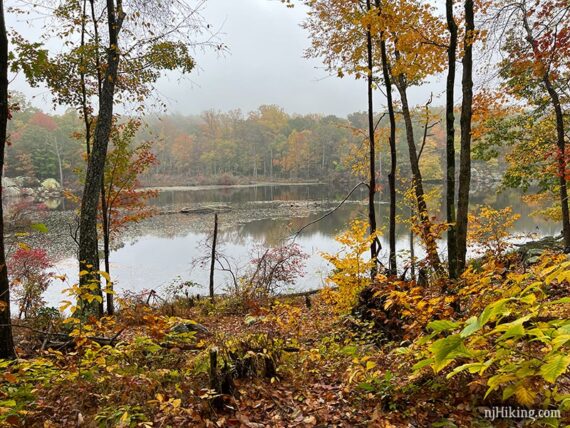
[(59, 163), (561, 144), (465, 156), (372, 155), (450, 146), (412, 251), (425, 223), (88, 248), (271, 163), (392, 265), (6, 340), (106, 248), (213, 260), (560, 140)]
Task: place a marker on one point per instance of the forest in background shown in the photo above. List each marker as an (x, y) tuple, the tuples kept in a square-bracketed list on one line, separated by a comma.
[(224, 147)]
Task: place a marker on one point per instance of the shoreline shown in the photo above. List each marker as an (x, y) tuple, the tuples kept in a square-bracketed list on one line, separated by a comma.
[(192, 188)]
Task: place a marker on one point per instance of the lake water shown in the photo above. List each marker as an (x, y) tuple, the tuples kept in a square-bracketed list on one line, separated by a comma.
[(165, 249)]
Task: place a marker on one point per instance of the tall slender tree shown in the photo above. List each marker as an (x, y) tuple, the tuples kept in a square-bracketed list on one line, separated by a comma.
[(450, 140), (466, 126), (155, 36), (392, 265), (6, 340), (374, 246), (550, 49), (88, 243), (415, 56)]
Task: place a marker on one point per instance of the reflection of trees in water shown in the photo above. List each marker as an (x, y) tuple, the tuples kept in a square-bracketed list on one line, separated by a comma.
[(273, 230), (240, 195)]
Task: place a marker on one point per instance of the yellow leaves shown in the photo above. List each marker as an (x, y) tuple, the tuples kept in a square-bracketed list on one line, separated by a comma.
[(370, 365), (65, 305), (105, 275), (524, 394), (24, 246), (489, 230), (351, 271)]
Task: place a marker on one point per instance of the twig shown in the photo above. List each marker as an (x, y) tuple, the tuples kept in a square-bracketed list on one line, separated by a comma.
[(46, 338), (328, 213)]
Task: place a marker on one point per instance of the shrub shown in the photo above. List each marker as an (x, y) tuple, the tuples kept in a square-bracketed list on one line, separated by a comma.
[(518, 345), (29, 278), (351, 268)]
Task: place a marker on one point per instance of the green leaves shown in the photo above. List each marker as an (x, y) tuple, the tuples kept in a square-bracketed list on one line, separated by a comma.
[(509, 345), (490, 313), (442, 325), (555, 366), (40, 227), (471, 326), (446, 350)]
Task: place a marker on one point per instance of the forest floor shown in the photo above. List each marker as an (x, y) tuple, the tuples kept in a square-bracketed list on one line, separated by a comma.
[(296, 363), (390, 353)]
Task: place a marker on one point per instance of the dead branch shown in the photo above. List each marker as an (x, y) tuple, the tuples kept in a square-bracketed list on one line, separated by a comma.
[(328, 213)]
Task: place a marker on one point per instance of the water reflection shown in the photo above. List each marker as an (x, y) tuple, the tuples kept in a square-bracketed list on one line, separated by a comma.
[(167, 247)]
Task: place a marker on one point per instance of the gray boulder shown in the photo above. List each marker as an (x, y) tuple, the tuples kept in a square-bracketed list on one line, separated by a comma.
[(24, 181), (7, 182), (189, 327), (11, 192), (51, 184)]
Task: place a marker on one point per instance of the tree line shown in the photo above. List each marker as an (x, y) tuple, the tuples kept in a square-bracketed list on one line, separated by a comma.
[(267, 143)]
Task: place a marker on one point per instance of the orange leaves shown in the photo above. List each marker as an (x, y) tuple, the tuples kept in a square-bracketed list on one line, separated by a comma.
[(410, 27), (410, 306), (417, 34)]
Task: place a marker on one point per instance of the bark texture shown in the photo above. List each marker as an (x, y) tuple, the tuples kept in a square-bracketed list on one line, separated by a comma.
[(88, 245), (560, 135), (466, 121), (6, 340), (372, 153), (450, 141), (425, 223), (392, 264)]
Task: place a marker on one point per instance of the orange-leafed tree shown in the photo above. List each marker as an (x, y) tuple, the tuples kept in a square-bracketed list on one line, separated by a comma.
[(342, 36), (125, 201), (536, 35), (416, 45)]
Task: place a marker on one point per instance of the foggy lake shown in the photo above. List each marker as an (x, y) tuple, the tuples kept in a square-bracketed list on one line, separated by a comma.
[(166, 248)]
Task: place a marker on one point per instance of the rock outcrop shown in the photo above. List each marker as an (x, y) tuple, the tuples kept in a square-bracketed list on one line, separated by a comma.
[(29, 187)]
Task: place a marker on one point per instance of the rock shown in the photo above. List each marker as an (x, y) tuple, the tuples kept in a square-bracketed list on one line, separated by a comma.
[(532, 250), (189, 327), (533, 256), (52, 204), (51, 184), (28, 191), (11, 192), (26, 181), (8, 183)]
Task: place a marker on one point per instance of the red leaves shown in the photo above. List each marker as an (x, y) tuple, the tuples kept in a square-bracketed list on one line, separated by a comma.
[(43, 121), (26, 260)]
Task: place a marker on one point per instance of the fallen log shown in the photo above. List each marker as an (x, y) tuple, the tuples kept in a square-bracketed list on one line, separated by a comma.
[(64, 339), (206, 209)]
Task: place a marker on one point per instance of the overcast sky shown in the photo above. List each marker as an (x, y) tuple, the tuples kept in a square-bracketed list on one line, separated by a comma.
[(264, 65)]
